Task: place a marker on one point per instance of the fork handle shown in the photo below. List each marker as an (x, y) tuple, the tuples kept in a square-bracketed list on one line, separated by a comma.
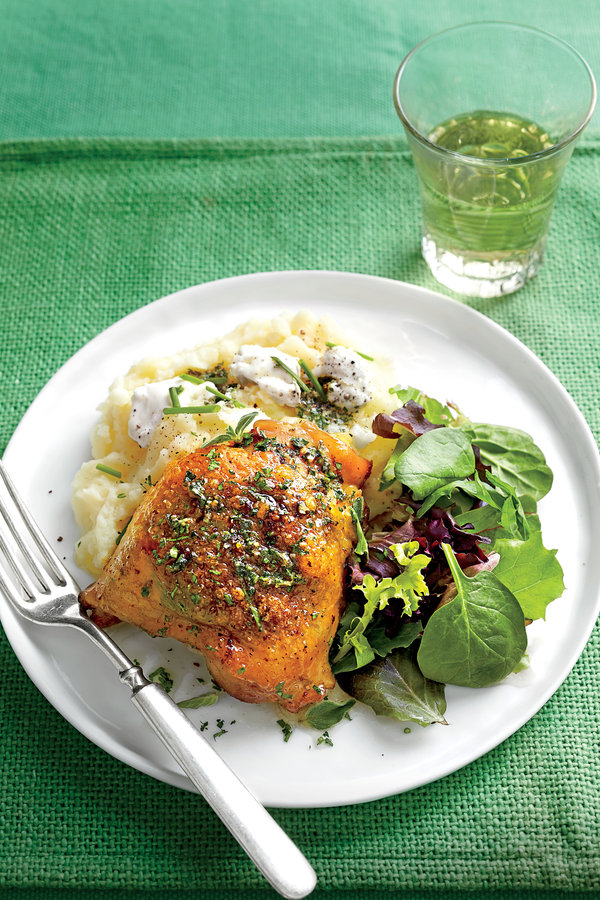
[(274, 854)]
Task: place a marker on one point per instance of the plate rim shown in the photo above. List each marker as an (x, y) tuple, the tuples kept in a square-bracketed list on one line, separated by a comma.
[(177, 779)]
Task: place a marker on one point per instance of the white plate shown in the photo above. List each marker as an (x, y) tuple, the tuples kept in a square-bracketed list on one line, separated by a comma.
[(439, 345)]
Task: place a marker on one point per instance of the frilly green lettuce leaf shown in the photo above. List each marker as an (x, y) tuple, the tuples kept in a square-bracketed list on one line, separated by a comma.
[(409, 586)]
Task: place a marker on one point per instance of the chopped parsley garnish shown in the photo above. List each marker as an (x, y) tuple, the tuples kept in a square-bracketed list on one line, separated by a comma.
[(220, 723), (321, 412), (286, 729), (162, 677), (218, 374), (280, 693), (325, 739)]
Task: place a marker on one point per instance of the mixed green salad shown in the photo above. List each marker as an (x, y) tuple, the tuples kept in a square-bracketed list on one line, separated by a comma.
[(441, 587)]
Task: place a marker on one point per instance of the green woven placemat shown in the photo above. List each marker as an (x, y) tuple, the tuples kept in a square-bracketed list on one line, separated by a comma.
[(91, 231), (265, 68)]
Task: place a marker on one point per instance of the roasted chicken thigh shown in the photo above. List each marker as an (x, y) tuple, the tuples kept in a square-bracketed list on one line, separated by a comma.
[(239, 551)]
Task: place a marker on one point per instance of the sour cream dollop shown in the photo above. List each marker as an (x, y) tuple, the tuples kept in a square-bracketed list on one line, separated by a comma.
[(149, 400), (253, 364), (350, 385)]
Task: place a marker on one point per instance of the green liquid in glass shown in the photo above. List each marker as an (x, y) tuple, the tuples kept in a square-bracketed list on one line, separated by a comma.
[(492, 212)]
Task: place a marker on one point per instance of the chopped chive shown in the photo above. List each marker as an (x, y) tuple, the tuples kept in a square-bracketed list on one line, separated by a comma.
[(255, 613), (108, 471), (192, 378), (358, 353), (174, 395), (190, 410), (219, 394), (216, 379), (312, 378), (282, 365), (121, 533)]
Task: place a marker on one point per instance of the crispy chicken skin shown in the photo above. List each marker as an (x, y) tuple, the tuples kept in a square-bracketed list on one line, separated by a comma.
[(239, 551)]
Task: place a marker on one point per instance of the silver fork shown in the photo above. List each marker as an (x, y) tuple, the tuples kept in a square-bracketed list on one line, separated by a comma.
[(36, 583)]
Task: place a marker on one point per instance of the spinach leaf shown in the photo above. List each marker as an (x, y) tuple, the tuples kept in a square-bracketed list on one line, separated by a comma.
[(478, 637), (513, 457), (482, 519), (531, 572), (434, 459), (395, 687), (498, 495), (328, 713)]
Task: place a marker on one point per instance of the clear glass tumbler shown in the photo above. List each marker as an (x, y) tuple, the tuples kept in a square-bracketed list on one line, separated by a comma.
[(492, 112)]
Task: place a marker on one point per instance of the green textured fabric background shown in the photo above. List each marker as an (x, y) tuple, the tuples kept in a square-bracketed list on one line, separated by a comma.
[(233, 68), (94, 229)]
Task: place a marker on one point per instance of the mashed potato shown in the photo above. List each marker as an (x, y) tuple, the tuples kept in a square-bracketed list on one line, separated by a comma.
[(103, 503)]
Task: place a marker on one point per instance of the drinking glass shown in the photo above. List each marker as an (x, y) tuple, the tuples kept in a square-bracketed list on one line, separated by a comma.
[(492, 112)]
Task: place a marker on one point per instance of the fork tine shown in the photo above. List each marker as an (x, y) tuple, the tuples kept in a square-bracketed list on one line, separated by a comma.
[(13, 596), (7, 516), (8, 555), (57, 571)]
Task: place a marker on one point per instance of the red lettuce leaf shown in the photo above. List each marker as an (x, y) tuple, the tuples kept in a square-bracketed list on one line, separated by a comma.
[(410, 416)]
